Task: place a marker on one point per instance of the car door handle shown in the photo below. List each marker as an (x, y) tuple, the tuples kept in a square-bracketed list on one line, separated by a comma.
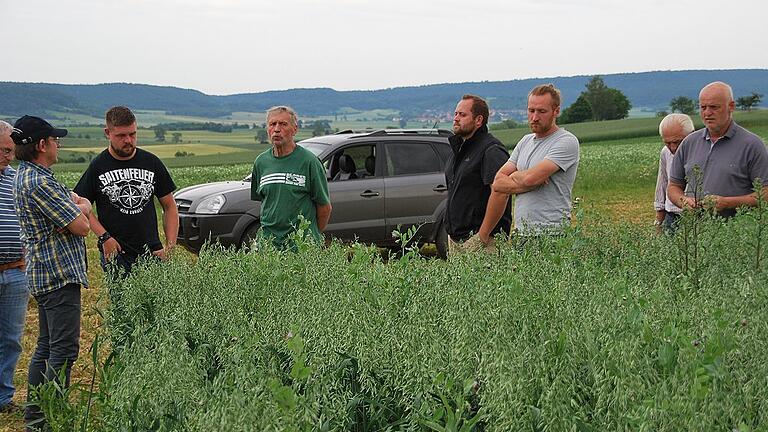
[(440, 188), (369, 193)]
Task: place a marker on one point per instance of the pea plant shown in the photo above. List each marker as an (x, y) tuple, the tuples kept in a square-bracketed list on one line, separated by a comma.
[(592, 330)]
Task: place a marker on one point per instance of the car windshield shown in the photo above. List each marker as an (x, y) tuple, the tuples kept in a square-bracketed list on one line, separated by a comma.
[(315, 147)]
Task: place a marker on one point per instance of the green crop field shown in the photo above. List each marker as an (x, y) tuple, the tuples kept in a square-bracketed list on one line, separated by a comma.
[(607, 328), (599, 330), (603, 131), (168, 151)]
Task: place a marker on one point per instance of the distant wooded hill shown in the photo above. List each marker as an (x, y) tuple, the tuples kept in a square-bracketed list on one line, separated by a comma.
[(648, 90)]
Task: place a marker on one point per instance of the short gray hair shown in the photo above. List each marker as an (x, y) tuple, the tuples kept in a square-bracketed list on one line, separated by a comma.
[(722, 85), (682, 120), (5, 128), (284, 108)]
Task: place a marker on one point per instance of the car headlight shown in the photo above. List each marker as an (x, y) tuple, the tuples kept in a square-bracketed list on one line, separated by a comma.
[(211, 205)]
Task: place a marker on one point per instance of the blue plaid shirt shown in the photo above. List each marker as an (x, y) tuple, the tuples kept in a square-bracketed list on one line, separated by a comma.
[(45, 206)]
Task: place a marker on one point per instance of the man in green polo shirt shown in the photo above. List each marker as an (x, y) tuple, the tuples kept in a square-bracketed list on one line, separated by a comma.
[(289, 181)]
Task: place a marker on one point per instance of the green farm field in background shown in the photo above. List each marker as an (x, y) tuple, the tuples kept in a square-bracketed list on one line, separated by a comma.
[(617, 173), (603, 332)]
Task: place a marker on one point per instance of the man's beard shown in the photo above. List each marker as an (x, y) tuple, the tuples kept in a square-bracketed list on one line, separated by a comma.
[(123, 153), (463, 132)]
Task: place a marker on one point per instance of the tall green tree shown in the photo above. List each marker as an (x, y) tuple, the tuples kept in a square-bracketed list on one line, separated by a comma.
[(746, 103), (597, 96), (618, 106), (159, 133), (261, 136), (606, 103), (683, 104), (321, 127), (577, 112)]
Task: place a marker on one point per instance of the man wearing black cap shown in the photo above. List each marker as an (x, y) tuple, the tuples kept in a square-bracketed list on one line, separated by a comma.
[(54, 222)]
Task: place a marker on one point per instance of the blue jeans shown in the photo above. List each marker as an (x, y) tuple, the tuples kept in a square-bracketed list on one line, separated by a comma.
[(58, 344), (670, 223), (14, 295)]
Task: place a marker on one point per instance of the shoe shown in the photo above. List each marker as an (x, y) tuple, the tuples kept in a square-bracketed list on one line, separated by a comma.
[(10, 408)]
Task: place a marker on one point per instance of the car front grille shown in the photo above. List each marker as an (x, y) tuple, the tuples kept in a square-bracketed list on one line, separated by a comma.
[(183, 205)]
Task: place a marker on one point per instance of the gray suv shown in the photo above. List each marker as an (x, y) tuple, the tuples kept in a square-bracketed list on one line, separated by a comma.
[(378, 181)]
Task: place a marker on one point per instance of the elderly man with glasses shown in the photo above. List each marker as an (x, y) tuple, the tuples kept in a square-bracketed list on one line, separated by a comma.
[(14, 293)]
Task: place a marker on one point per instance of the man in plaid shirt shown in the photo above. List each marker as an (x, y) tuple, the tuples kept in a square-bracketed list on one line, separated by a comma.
[(54, 223)]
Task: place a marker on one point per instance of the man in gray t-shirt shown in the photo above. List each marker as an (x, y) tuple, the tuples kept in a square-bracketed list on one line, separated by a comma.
[(540, 171), (729, 159)]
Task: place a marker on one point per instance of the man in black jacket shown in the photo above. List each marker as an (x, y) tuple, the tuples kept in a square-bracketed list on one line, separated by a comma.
[(477, 156)]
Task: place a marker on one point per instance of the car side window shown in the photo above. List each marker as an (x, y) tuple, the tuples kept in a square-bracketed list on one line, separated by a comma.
[(444, 151), (409, 158), (352, 163)]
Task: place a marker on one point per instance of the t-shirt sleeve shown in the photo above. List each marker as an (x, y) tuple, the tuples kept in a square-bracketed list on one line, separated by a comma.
[(54, 201), (759, 168), (163, 181), (255, 180), (85, 186), (516, 152), (661, 182), (495, 157), (565, 152), (318, 183), (677, 170)]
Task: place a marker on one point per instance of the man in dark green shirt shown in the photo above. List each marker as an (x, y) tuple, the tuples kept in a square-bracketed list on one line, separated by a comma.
[(289, 181)]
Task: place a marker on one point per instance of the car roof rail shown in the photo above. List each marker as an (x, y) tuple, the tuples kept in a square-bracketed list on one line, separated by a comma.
[(354, 131), (440, 132)]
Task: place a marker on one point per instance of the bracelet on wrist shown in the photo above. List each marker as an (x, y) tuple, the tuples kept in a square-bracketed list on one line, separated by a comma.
[(104, 237)]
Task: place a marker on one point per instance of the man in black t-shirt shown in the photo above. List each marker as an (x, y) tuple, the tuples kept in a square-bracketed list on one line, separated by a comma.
[(122, 182)]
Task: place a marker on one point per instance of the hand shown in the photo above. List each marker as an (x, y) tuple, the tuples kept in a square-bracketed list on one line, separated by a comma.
[(485, 238), (163, 253), (715, 203), (688, 202), (82, 203), (111, 248), (473, 244), (476, 244)]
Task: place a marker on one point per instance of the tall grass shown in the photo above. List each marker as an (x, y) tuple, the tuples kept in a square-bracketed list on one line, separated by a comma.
[(597, 331)]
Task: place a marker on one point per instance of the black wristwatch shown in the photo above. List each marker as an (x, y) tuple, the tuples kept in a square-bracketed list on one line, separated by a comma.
[(104, 237)]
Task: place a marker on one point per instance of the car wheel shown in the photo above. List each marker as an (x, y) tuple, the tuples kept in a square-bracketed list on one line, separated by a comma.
[(250, 234), (441, 242)]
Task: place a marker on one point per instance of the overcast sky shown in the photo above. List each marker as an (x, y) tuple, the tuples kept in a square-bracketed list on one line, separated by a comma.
[(238, 46)]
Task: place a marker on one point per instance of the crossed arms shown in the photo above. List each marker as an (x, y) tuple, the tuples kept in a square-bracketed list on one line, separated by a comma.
[(509, 180)]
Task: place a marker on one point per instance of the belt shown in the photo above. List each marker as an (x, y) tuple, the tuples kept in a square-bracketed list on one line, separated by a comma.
[(12, 265)]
